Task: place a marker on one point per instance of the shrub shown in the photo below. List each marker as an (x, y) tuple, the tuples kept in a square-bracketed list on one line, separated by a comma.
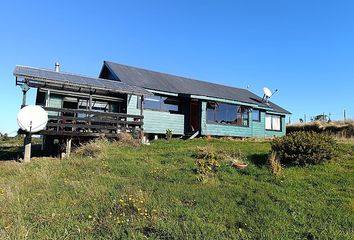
[(274, 164), (301, 148), (207, 162), (168, 134), (95, 149), (127, 139), (209, 152), (207, 166)]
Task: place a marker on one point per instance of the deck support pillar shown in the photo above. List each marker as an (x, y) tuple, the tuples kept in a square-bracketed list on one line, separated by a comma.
[(68, 147), (27, 147)]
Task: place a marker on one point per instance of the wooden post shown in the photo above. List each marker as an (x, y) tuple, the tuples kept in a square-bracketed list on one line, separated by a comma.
[(90, 102), (68, 147), (90, 109), (27, 141), (141, 113), (27, 146), (47, 97), (344, 115)]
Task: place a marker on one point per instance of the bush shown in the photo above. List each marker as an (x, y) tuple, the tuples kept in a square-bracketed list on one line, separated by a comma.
[(301, 148), (169, 134), (127, 139), (207, 162), (274, 164), (95, 149), (208, 153)]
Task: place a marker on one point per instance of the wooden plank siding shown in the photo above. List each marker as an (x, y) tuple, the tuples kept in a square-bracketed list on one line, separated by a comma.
[(156, 122)]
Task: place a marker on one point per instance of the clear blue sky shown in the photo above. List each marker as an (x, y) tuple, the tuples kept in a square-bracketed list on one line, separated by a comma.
[(303, 48)]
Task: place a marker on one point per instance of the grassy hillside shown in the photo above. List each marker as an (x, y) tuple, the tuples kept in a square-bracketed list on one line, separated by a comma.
[(152, 191)]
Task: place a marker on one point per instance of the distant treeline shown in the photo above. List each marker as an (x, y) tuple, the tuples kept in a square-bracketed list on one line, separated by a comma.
[(338, 128)]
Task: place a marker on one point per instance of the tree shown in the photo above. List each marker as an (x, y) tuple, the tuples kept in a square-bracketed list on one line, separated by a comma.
[(321, 117)]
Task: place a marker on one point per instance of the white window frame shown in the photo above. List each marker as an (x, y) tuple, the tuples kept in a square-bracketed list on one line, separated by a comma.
[(273, 122)]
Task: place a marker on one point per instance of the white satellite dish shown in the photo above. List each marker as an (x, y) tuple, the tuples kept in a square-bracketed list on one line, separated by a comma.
[(267, 92), (32, 118)]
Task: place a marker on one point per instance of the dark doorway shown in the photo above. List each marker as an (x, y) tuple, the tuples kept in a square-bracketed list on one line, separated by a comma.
[(194, 115)]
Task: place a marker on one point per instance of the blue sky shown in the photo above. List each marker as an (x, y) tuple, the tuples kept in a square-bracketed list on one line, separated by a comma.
[(303, 48)]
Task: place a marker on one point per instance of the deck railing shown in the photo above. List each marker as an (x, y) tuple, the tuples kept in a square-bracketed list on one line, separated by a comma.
[(77, 122)]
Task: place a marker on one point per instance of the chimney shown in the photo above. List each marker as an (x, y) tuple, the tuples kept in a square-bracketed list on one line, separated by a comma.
[(57, 65)]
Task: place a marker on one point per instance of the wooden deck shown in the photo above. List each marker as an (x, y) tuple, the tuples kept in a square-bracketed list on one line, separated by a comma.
[(84, 123)]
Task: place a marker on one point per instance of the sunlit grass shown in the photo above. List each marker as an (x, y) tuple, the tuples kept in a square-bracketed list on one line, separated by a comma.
[(152, 191)]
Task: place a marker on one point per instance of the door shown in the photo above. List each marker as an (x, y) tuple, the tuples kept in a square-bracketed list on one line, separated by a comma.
[(194, 115)]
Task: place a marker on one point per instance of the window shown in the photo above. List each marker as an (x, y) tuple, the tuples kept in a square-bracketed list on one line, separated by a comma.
[(227, 114), (273, 122), (256, 115), (98, 106), (161, 103)]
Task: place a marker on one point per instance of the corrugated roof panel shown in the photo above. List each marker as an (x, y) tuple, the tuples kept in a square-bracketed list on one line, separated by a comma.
[(68, 78)]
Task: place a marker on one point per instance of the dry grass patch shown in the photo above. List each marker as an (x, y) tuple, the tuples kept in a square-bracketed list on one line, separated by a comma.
[(341, 129), (127, 139), (95, 149)]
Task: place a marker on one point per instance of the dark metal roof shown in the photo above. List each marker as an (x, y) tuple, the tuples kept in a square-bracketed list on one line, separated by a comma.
[(175, 84), (72, 80)]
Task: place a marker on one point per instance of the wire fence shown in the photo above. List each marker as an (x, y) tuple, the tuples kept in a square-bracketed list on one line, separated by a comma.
[(308, 117)]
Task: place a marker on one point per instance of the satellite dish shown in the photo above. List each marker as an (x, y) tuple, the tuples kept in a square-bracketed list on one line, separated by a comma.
[(32, 118), (267, 92)]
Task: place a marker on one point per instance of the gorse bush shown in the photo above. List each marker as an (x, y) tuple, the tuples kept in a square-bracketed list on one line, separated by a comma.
[(207, 162), (208, 153), (301, 148)]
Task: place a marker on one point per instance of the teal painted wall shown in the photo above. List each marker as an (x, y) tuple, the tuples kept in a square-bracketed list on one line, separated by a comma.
[(157, 121), (255, 129), (259, 127)]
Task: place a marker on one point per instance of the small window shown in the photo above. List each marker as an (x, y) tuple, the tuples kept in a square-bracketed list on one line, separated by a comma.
[(273, 122), (256, 115)]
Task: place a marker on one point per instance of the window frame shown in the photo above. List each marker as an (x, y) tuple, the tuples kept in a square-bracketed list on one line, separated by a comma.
[(237, 114), (259, 115), (271, 122), (161, 100)]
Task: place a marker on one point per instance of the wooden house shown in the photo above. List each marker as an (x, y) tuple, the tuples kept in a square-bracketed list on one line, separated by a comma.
[(187, 106), (125, 98)]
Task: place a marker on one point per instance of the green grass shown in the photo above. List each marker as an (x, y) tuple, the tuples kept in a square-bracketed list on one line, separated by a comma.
[(93, 199)]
